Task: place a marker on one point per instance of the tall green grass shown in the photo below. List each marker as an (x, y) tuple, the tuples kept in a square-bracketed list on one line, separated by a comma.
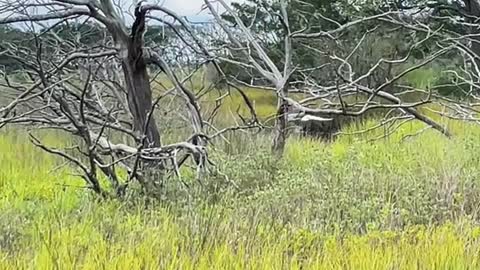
[(350, 204)]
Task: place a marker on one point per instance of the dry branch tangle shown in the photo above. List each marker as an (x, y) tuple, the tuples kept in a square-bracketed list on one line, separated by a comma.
[(94, 108), (96, 90)]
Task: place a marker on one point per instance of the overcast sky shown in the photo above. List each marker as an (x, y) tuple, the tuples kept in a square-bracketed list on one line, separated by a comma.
[(188, 7)]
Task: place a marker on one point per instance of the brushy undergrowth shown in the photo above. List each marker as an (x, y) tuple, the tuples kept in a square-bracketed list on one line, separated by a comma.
[(394, 203)]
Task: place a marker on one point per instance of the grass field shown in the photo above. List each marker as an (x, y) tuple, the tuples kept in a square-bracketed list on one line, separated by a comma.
[(351, 204), (393, 203)]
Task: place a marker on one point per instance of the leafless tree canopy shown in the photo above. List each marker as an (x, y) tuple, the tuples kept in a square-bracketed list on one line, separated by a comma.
[(101, 91), (105, 91)]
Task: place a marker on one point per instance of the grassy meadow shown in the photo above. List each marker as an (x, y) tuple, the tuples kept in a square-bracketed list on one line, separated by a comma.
[(350, 204), (396, 202)]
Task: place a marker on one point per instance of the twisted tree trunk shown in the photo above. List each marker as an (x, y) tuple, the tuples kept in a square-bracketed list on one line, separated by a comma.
[(137, 82)]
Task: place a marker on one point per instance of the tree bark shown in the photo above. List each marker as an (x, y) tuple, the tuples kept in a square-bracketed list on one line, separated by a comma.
[(280, 129), (137, 83), (139, 95)]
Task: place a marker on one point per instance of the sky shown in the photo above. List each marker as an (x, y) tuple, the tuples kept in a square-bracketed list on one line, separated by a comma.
[(190, 8)]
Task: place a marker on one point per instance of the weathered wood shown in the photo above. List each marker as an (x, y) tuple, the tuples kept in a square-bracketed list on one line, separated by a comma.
[(137, 82)]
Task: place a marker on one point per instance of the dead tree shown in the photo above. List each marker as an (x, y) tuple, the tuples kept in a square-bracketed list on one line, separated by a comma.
[(102, 92), (353, 88)]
